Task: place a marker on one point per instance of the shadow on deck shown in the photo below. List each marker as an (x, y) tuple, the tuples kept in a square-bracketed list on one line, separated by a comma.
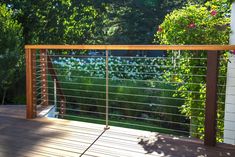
[(56, 137)]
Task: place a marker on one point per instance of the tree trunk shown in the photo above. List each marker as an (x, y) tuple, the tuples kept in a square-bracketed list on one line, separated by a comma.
[(3, 97)]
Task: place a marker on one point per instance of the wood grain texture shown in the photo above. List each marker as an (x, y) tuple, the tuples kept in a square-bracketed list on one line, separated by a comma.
[(30, 83), (17, 111), (56, 137), (133, 47), (211, 98)]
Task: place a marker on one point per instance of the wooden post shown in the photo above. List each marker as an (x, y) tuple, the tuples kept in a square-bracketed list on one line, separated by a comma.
[(44, 84), (211, 98), (30, 83)]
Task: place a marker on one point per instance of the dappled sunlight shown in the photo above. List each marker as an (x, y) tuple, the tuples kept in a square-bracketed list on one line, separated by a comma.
[(58, 137), (127, 78), (180, 146), (22, 137)]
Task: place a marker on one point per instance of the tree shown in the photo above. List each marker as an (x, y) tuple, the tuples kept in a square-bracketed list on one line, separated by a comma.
[(195, 24), (91, 21), (55, 21), (11, 58), (130, 21)]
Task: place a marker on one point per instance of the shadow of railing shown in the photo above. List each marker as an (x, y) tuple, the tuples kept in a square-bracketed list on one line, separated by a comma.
[(19, 137), (182, 147)]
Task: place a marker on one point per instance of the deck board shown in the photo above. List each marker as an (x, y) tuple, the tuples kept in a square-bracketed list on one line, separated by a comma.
[(18, 111), (47, 137)]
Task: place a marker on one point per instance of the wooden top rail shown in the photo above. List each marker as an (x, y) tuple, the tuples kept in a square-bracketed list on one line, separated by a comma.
[(133, 47)]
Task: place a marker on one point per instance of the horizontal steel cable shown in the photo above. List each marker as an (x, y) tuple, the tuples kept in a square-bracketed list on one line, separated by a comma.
[(137, 65), (159, 97), (129, 57), (121, 101), (133, 124), (132, 117), (181, 83), (126, 109), (131, 94), (113, 86), (139, 73)]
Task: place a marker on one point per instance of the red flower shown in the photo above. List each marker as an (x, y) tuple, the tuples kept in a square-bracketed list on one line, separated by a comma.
[(213, 12), (233, 52), (192, 25), (159, 29)]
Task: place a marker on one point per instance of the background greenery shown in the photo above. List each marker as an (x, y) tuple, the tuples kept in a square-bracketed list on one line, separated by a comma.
[(11, 54), (83, 22), (138, 93), (196, 24), (115, 22)]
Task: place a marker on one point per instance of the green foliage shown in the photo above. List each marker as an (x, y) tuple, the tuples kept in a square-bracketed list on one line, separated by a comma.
[(119, 68), (195, 24), (132, 21), (90, 21), (55, 21), (136, 93), (11, 49)]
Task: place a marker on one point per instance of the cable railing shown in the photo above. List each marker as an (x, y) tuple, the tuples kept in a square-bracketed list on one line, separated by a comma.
[(180, 90)]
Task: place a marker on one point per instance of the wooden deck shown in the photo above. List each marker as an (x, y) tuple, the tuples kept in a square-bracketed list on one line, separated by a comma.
[(63, 138)]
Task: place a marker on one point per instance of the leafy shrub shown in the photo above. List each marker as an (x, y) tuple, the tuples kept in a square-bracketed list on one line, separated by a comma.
[(11, 57), (196, 24)]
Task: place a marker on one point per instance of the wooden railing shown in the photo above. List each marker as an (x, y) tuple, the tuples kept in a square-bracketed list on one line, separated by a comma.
[(211, 77), (45, 63)]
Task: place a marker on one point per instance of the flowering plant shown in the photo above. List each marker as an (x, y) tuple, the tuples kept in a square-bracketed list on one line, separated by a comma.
[(233, 52), (196, 25)]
